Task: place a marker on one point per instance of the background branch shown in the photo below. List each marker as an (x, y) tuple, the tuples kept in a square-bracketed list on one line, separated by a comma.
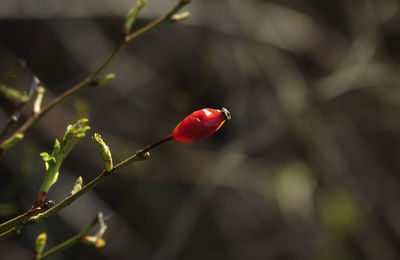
[(86, 82), (12, 121), (71, 241)]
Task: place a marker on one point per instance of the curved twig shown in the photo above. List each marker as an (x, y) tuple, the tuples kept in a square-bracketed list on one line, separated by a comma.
[(86, 82)]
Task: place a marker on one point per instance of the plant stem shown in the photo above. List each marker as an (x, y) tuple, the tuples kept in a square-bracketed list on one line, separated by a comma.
[(157, 143), (156, 22), (37, 215), (86, 82), (68, 243), (12, 121), (9, 233), (34, 217)]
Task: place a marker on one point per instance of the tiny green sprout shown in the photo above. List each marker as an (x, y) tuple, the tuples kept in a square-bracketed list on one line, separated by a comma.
[(131, 16), (48, 158), (104, 80), (180, 17), (40, 243), (38, 100), (73, 134), (94, 241), (100, 242), (77, 186), (14, 139), (53, 164), (105, 152), (60, 150), (13, 94), (107, 78)]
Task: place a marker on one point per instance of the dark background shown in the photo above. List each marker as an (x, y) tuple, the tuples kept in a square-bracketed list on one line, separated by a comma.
[(308, 167)]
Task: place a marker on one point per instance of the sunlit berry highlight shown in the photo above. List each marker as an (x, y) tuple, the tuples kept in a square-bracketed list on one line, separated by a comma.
[(200, 124)]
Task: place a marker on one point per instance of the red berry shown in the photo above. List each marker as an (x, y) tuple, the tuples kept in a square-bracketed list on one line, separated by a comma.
[(200, 124)]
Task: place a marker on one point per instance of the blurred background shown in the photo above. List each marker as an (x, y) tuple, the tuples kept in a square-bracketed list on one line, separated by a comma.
[(308, 167)]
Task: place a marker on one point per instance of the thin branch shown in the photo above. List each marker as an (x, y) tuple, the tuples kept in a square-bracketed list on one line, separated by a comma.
[(157, 143), (12, 121), (9, 233), (37, 215), (86, 82), (70, 242), (156, 22)]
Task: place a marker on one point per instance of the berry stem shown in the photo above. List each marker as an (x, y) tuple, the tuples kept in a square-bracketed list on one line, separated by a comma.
[(151, 146)]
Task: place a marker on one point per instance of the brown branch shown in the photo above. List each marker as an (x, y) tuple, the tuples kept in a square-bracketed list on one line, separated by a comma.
[(87, 82)]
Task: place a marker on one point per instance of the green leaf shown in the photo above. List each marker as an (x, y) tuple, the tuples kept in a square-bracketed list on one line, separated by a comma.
[(46, 157), (53, 162), (73, 134)]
